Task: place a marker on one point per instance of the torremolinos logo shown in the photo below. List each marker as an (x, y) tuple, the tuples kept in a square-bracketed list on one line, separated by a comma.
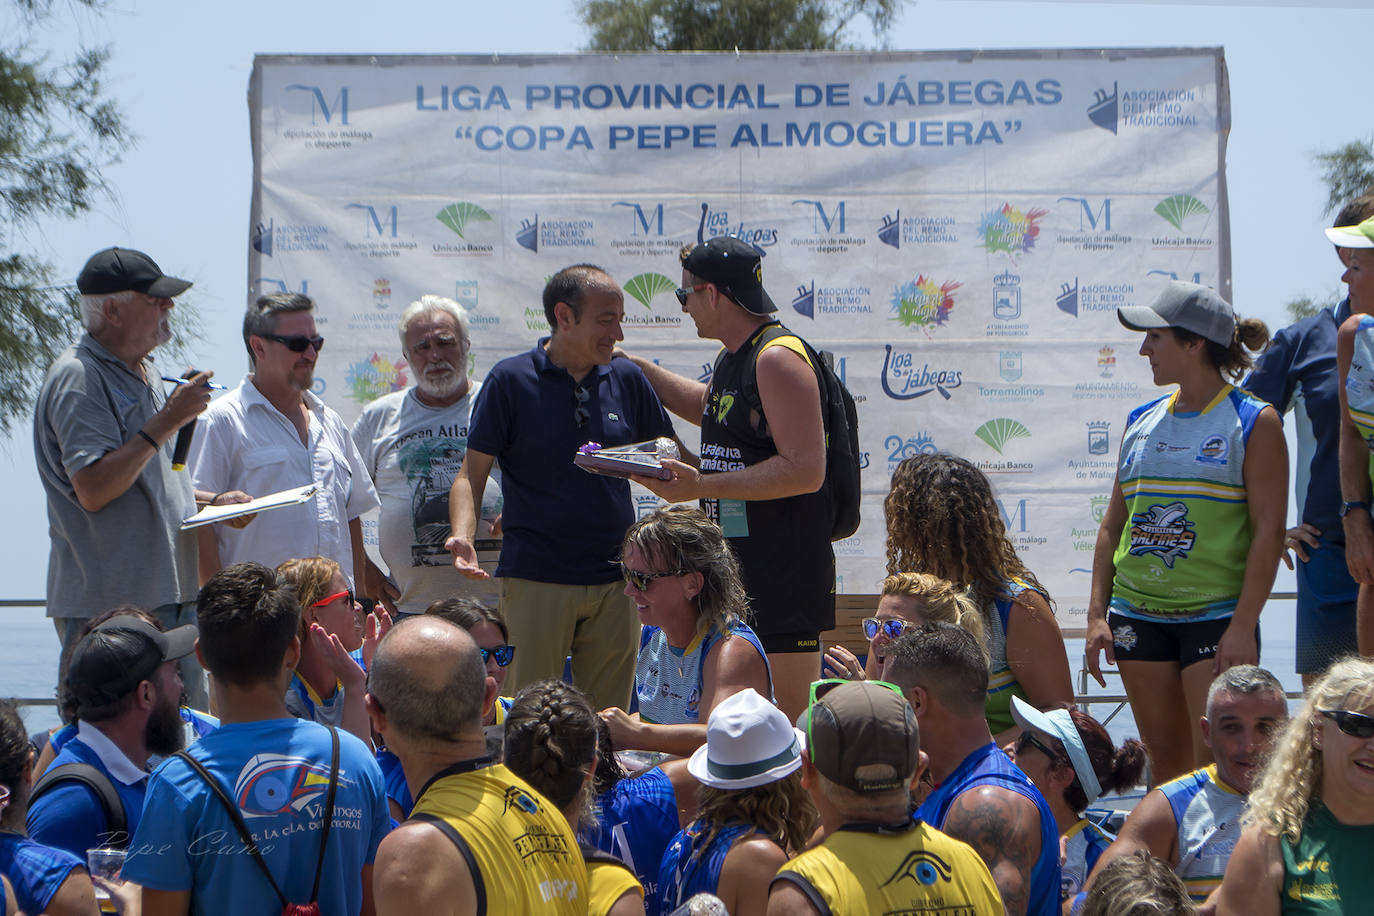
[(917, 230), (904, 379), (831, 300), (1009, 229), (922, 303), (467, 294), (643, 288), (375, 376), (717, 222)]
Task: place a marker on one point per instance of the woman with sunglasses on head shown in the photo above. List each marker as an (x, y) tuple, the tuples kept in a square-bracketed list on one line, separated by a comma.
[(752, 812), (943, 519), (328, 684), (1191, 539), (696, 649), (1308, 833), (551, 743), (1070, 758), (908, 600)]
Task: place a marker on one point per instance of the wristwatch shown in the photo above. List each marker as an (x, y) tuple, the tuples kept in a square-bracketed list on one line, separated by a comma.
[(1350, 505)]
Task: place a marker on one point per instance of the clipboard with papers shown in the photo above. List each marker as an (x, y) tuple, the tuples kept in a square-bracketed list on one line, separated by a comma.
[(211, 514)]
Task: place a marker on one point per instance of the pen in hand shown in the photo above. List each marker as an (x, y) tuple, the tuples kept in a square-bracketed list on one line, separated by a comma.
[(182, 381)]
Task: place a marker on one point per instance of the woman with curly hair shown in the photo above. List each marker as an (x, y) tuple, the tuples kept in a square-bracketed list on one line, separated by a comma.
[(551, 739), (328, 684), (908, 600), (695, 649), (1191, 538), (943, 519), (1070, 758), (752, 812), (1308, 833)]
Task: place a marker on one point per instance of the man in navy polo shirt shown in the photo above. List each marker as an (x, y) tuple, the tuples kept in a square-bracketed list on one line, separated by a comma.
[(124, 678), (559, 583)]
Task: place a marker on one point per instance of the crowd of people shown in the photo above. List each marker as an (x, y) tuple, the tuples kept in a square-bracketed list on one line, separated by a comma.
[(402, 740)]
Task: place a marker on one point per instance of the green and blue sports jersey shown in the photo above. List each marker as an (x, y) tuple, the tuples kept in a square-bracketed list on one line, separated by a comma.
[(1182, 551), (1359, 383)]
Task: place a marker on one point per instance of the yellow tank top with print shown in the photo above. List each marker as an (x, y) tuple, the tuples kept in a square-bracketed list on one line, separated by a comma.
[(519, 847)]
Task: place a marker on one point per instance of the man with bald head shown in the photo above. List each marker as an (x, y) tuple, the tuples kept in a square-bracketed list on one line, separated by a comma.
[(479, 838)]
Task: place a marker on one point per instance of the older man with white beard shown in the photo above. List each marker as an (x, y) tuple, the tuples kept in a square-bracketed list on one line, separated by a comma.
[(413, 442)]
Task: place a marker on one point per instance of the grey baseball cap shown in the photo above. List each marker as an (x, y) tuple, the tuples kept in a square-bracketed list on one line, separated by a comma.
[(1188, 306)]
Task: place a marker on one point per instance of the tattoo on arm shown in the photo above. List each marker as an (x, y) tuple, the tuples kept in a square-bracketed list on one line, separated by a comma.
[(1004, 829)]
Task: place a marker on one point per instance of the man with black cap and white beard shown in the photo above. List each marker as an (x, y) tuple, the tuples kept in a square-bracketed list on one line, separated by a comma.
[(103, 437), (862, 760), (762, 473), (123, 676)]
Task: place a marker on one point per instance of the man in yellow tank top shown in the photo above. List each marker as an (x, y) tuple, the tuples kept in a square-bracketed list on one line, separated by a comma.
[(480, 839), (862, 759)]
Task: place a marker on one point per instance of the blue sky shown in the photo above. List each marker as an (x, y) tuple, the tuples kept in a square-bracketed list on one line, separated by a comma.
[(181, 72)]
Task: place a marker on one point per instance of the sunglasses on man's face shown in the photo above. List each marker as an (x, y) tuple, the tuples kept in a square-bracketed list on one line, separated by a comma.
[(891, 627), (1028, 739), (296, 343), (1354, 724), (502, 654)]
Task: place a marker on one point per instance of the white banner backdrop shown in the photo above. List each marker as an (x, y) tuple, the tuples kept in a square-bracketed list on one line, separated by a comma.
[(957, 227)]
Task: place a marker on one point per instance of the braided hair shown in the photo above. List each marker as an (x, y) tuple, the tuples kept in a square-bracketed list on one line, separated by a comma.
[(551, 743)]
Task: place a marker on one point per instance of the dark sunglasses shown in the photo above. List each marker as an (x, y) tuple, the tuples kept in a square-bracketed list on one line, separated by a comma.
[(1028, 739), (296, 343), (502, 654), (683, 292), (580, 413), (891, 627), (1354, 724), (642, 580), (335, 597)]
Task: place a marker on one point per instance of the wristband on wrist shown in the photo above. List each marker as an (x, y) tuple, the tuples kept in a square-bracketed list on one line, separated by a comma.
[(149, 439), (214, 500)]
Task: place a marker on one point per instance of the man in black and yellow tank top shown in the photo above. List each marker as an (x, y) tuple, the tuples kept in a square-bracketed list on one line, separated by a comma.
[(480, 839)]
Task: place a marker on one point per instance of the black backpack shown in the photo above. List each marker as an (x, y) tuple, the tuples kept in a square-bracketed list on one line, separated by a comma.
[(117, 824), (841, 430)]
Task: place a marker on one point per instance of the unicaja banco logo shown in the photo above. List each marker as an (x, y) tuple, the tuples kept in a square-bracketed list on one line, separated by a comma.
[(1009, 229), (922, 303), (456, 216), (997, 433), (644, 287), (1174, 210), (375, 376)]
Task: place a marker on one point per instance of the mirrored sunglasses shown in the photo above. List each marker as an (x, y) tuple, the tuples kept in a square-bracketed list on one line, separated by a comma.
[(891, 627), (1354, 724), (502, 654)]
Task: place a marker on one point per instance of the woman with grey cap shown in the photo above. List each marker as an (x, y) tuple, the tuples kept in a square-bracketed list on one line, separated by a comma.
[(1070, 758), (1355, 363), (1191, 539)]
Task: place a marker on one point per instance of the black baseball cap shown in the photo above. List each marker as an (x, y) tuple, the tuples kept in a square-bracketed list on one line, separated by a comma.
[(111, 660), (116, 269), (736, 267)]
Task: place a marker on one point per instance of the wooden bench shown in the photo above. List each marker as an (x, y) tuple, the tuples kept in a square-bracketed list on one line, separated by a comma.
[(848, 631)]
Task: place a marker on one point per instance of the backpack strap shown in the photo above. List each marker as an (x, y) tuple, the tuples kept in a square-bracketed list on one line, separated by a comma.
[(328, 811), (479, 886), (92, 778), (233, 810)]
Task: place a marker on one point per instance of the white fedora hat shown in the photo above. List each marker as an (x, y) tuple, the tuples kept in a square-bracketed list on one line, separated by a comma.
[(749, 742)]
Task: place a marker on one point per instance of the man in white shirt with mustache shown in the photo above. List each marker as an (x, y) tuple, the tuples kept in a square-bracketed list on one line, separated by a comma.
[(413, 442)]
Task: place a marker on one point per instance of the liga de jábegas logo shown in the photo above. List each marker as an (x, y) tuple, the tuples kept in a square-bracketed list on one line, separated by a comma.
[(375, 376), (923, 303), (1010, 230)]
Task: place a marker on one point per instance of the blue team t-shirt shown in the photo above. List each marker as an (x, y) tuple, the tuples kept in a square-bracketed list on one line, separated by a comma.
[(36, 872), (636, 820), (70, 815), (559, 523), (277, 771)]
